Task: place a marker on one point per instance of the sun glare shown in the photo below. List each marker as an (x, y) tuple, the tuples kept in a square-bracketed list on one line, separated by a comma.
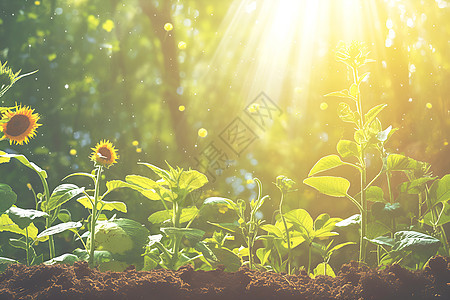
[(281, 39)]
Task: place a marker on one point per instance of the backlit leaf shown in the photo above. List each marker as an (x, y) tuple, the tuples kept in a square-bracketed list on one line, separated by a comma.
[(7, 197), (329, 185), (326, 163)]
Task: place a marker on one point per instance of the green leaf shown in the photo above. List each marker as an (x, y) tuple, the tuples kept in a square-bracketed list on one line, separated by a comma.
[(440, 190), (191, 234), (230, 227), (359, 137), (372, 113), (444, 218), (362, 77), (339, 246), (329, 185), (326, 163), (342, 94), (383, 241), (416, 186), (354, 220), (160, 172), (324, 269), (191, 180), (24, 217), (64, 215), (104, 205), (116, 184), (302, 219), (161, 216), (348, 148), (142, 182), (375, 194), (61, 194), (386, 210), (417, 242), (226, 257), (346, 114), (7, 197), (398, 162), (21, 158), (272, 229), (79, 174), (100, 256), (18, 243), (58, 229), (66, 258), (384, 135), (6, 224)]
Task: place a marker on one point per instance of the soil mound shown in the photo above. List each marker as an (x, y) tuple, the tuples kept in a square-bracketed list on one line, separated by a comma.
[(352, 282)]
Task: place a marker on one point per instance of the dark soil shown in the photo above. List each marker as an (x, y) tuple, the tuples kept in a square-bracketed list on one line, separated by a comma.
[(352, 282)]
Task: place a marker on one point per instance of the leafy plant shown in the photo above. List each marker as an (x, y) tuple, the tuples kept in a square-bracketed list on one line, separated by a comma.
[(172, 189), (369, 135)]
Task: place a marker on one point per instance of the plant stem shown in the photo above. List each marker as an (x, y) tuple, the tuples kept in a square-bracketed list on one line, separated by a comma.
[(27, 245), (288, 238), (309, 257), (94, 216), (250, 250), (48, 223), (176, 214)]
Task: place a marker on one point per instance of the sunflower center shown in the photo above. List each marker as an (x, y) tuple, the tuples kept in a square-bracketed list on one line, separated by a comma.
[(105, 153), (17, 125)]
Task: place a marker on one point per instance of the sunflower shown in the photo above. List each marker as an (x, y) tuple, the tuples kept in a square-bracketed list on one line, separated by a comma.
[(104, 154), (20, 125)]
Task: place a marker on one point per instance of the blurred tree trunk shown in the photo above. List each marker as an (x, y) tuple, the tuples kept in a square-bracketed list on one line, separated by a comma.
[(170, 70)]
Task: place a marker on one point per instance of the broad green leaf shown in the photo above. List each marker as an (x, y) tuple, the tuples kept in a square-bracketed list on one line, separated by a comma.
[(346, 114), (152, 195), (383, 241), (104, 205), (321, 220), (416, 186), (324, 269), (373, 112), (142, 182), (21, 158), (354, 220), (100, 256), (326, 163), (66, 258), (18, 243), (323, 226), (329, 185), (24, 217), (191, 234), (163, 215), (376, 229), (64, 215), (61, 194), (58, 229), (440, 190), (116, 184), (398, 162), (302, 219), (272, 229), (7, 197), (375, 194), (417, 242), (226, 257), (6, 224), (192, 180), (348, 148)]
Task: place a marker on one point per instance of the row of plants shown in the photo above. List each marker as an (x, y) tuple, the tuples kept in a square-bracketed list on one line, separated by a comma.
[(401, 224)]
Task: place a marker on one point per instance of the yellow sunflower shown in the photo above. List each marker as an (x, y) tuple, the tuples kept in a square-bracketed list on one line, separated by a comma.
[(20, 125), (104, 154)]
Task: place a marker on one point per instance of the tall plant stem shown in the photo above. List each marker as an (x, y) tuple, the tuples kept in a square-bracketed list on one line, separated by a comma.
[(363, 202), (288, 238), (48, 223), (176, 214), (27, 246), (309, 258), (94, 216)]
